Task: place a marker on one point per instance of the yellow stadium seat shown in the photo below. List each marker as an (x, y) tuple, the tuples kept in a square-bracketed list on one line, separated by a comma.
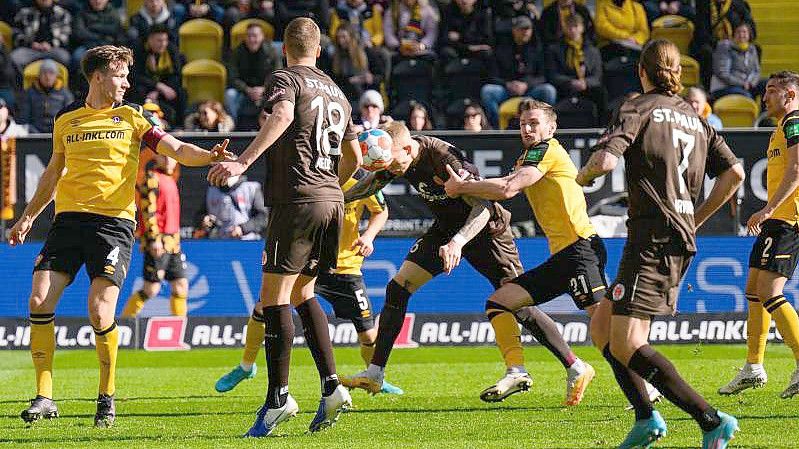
[(690, 71), (239, 31), (677, 29), (8, 35), (201, 39), (736, 111), (132, 7), (31, 72), (204, 79), (507, 110)]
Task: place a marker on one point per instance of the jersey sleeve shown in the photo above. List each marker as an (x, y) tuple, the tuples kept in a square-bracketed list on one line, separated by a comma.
[(790, 127), (719, 155), (376, 203), (536, 156), (58, 140), (147, 128), (622, 132), (149, 206), (280, 87)]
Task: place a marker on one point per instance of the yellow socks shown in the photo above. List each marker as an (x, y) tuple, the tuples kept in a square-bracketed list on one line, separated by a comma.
[(787, 321), (107, 341), (757, 325), (254, 339), (367, 351), (42, 351), (178, 304), (134, 304), (508, 335)]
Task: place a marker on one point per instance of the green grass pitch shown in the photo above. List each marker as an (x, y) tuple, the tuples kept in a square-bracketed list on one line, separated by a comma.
[(167, 400)]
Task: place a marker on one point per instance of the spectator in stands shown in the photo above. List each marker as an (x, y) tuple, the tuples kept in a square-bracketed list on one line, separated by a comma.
[(736, 69), (156, 73), (697, 98), (250, 63), (621, 28), (504, 11), (657, 8), (210, 117), (8, 75), (155, 109), (41, 31), (474, 118), (97, 25), (517, 71), (44, 99), (574, 66), (371, 107), (202, 9), (366, 17), (152, 12), (716, 21), (233, 211), (355, 69), (418, 117), (237, 10), (411, 29), (8, 127), (318, 10), (466, 31), (553, 21)]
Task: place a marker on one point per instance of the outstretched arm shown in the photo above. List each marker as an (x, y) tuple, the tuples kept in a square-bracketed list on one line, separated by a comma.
[(191, 155), (495, 189), (599, 164), (368, 184)]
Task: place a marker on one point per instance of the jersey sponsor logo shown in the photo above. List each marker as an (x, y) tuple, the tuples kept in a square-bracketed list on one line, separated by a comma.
[(618, 292), (96, 135), (684, 121), (429, 195)]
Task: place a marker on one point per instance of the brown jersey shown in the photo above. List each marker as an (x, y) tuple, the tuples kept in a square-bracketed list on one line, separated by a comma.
[(450, 213), (302, 164), (667, 151)]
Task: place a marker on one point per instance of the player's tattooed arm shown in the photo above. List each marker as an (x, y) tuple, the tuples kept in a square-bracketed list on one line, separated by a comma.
[(368, 184), (475, 222), (599, 164)]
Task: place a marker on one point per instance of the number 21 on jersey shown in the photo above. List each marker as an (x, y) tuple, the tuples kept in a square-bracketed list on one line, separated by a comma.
[(336, 123)]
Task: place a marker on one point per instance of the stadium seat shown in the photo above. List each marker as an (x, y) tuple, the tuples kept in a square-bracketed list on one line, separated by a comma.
[(620, 76), (577, 112), (462, 77), (7, 33), (239, 31), (677, 29), (507, 110), (31, 72), (690, 71), (204, 79), (412, 79), (736, 111), (201, 39)]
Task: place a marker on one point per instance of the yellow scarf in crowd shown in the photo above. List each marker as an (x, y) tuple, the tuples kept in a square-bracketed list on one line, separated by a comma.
[(163, 65), (722, 28), (575, 56)]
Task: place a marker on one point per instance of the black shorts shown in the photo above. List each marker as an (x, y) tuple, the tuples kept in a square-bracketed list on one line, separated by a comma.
[(578, 269), (102, 243), (493, 256), (776, 248), (347, 294), (303, 238), (170, 266), (648, 281)]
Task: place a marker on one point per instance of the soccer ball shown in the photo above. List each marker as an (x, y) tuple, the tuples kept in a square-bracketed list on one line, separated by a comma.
[(375, 148)]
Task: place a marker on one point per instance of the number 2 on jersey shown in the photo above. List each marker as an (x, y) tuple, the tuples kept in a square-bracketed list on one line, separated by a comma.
[(336, 125)]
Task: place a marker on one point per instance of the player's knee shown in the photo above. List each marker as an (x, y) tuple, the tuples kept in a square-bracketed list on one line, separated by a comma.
[(38, 303), (180, 287), (494, 308), (151, 289), (368, 337), (620, 350), (397, 296)]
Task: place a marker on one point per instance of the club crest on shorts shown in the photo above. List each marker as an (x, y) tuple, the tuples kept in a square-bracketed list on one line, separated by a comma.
[(618, 292)]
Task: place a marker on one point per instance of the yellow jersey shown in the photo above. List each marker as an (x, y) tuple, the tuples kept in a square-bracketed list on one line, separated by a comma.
[(101, 149), (557, 200), (349, 261), (785, 136)]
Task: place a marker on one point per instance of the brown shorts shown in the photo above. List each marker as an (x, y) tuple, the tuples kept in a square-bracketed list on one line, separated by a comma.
[(494, 256), (303, 238), (648, 281)]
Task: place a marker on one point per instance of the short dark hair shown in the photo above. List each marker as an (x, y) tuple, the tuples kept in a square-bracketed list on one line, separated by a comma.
[(529, 104), (786, 78), (574, 20), (105, 57), (157, 28)]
